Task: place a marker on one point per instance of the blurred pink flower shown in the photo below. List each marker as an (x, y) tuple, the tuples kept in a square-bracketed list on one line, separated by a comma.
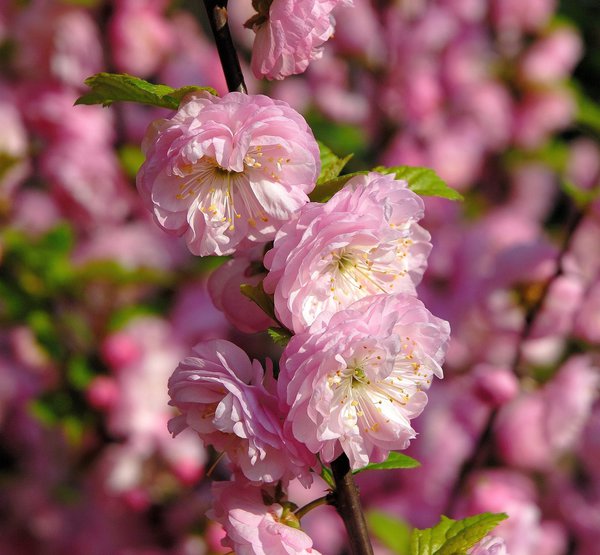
[(289, 34), (141, 36), (354, 384), (221, 396), (555, 416), (553, 57), (364, 241), (225, 169), (254, 526)]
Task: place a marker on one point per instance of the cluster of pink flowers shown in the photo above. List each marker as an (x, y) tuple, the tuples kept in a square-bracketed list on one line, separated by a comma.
[(99, 305), (232, 173)]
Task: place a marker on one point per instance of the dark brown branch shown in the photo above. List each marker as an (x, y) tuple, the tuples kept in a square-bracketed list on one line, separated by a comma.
[(217, 17), (347, 503)]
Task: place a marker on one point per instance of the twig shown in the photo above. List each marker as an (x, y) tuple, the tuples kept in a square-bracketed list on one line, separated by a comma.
[(217, 17), (347, 502), (326, 499)]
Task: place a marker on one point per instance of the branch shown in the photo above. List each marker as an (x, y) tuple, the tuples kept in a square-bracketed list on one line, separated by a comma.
[(347, 503), (217, 17)]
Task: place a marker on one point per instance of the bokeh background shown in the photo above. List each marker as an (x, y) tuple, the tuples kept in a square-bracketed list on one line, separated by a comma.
[(97, 305)]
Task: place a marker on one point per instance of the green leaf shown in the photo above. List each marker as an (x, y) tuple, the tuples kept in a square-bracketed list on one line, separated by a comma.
[(581, 197), (394, 460), (257, 295), (423, 181), (389, 531), (131, 158), (120, 87), (327, 475), (280, 336), (331, 165), (327, 189), (588, 111), (453, 537)]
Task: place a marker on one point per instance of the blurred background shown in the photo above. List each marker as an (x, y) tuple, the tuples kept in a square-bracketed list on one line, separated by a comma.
[(97, 305)]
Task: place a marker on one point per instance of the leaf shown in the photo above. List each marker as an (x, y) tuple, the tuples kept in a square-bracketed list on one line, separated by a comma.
[(581, 197), (394, 460), (588, 111), (423, 181), (327, 189), (280, 336), (331, 164), (120, 87), (453, 537), (257, 295), (327, 475), (389, 531)]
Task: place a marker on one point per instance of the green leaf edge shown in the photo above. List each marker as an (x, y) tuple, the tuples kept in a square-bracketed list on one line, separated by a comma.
[(326, 190), (128, 88), (395, 460)]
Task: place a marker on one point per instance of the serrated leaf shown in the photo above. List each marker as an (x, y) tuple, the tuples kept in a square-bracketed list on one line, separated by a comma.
[(423, 181), (331, 164), (258, 296), (107, 88), (453, 537), (394, 460), (389, 531), (280, 336)]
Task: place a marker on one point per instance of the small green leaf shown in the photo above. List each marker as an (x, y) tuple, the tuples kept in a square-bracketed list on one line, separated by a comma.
[(131, 158), (394, 460), (389, 531), (280, 336), (581, 197), (331, 165), (257, 295), (119, 87), (423, 181), (588, 111), (327, 475), (327, 189), (453, 537)]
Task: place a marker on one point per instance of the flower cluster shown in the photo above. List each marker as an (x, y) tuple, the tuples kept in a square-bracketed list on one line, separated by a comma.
[(230, 174)]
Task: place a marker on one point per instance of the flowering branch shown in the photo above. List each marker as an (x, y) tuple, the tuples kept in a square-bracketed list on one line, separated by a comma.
[(217, 17), (347, 503)]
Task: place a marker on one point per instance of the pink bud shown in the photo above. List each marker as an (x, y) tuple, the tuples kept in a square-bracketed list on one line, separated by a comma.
[(102, 393), (120, 350), (495, 385)]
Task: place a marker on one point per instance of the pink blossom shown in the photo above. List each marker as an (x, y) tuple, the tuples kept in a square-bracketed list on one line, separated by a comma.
[(225, 169), (221, 396), (364, 241), (140, 35), (224, 288), (289, 35), (353, 384), (255, 526), (555, 416), (553, 57)]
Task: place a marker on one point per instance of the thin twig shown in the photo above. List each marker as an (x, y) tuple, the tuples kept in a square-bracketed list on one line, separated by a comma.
[(217, 17), (326, 499), (347, 502)]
